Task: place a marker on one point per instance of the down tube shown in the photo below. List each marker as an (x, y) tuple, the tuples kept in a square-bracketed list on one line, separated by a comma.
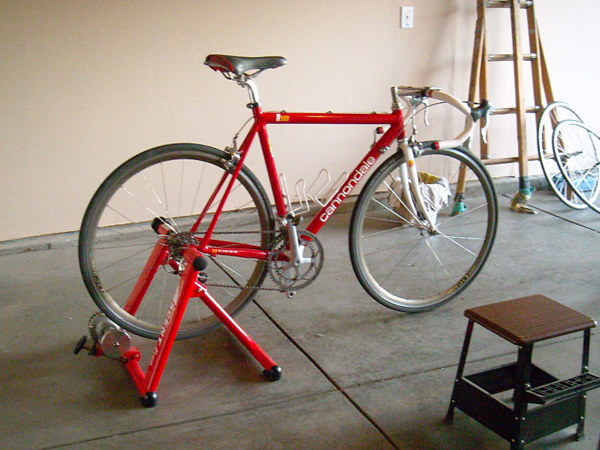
[(353, 179)]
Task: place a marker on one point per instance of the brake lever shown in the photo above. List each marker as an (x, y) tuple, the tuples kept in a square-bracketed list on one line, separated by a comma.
[(482, 112)]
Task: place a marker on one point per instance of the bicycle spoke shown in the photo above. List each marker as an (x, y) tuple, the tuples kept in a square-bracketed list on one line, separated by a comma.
[(435, 255), (463, 214), (376, 233), (114, 263), (440, 265), (401, 262), (197, 190), (401, 202), (112, 288), (181, 178), (116, 247), (158, 199), (394, 212)]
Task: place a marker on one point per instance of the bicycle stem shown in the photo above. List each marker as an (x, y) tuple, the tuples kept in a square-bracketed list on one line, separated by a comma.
[(249, 85)]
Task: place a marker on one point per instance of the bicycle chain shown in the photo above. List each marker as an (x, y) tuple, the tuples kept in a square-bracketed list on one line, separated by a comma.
[(230, 286), (235, 286)]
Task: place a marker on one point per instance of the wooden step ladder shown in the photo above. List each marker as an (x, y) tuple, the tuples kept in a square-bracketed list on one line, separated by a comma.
[(542, 89)]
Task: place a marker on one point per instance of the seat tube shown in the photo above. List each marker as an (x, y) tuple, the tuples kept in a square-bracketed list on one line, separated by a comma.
[(265, 144)]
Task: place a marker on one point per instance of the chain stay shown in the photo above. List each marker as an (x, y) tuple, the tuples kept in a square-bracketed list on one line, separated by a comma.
[(262, 288), (235, 286)]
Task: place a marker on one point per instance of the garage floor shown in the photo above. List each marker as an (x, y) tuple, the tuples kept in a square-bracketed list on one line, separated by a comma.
[(355, 375)]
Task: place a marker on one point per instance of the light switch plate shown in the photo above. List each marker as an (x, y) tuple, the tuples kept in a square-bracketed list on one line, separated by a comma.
[(407, 14)]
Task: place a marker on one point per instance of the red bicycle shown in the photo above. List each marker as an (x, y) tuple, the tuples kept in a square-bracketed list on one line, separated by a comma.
[(422, 227)]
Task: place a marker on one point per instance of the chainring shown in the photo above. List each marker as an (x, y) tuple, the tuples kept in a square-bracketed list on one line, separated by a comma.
[(287, 276)]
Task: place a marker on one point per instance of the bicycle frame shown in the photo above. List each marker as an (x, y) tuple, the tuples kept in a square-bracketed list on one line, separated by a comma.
[(190, 264), (395, 120)]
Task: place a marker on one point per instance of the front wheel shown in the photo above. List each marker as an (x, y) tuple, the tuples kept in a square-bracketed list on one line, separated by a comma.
[(400, 261)]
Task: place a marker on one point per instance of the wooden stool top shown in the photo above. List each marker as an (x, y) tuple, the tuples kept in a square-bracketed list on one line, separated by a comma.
[(526, 320)]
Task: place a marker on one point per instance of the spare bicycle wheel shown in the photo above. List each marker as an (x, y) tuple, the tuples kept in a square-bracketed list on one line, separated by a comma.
[(576, 150), (555, 113)]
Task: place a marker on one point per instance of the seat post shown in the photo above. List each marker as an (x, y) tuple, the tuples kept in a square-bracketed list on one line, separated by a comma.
[(247, 83)]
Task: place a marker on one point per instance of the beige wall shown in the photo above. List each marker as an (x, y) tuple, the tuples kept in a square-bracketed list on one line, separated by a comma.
[(86, 84)]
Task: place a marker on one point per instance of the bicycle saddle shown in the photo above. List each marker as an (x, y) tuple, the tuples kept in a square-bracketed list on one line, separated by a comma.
[(242, 64)]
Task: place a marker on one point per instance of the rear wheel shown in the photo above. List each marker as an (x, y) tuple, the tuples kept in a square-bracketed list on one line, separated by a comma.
[(402, 264), (147, 206)]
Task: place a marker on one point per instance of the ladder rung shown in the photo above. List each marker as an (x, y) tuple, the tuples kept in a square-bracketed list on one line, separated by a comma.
[(531, 109), (506, 4), (510, 57), (513, 159)]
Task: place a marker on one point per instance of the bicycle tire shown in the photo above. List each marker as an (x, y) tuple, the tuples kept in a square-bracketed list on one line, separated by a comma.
[(576, 150), (409, 269), (552, 115), (116, 237)]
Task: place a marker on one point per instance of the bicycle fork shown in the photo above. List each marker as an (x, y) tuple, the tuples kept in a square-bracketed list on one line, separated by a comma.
[(410, 183)]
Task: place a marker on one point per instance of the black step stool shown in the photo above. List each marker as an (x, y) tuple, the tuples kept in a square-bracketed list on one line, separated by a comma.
[(557, 404)]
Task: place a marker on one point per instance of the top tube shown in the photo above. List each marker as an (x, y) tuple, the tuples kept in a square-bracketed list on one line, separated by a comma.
[(329, 118)]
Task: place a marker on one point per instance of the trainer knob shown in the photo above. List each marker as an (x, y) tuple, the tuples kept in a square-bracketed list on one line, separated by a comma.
[(200, 263), (80, 345)]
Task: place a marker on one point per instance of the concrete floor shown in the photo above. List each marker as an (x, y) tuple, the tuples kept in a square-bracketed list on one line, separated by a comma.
[(355, 375)]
